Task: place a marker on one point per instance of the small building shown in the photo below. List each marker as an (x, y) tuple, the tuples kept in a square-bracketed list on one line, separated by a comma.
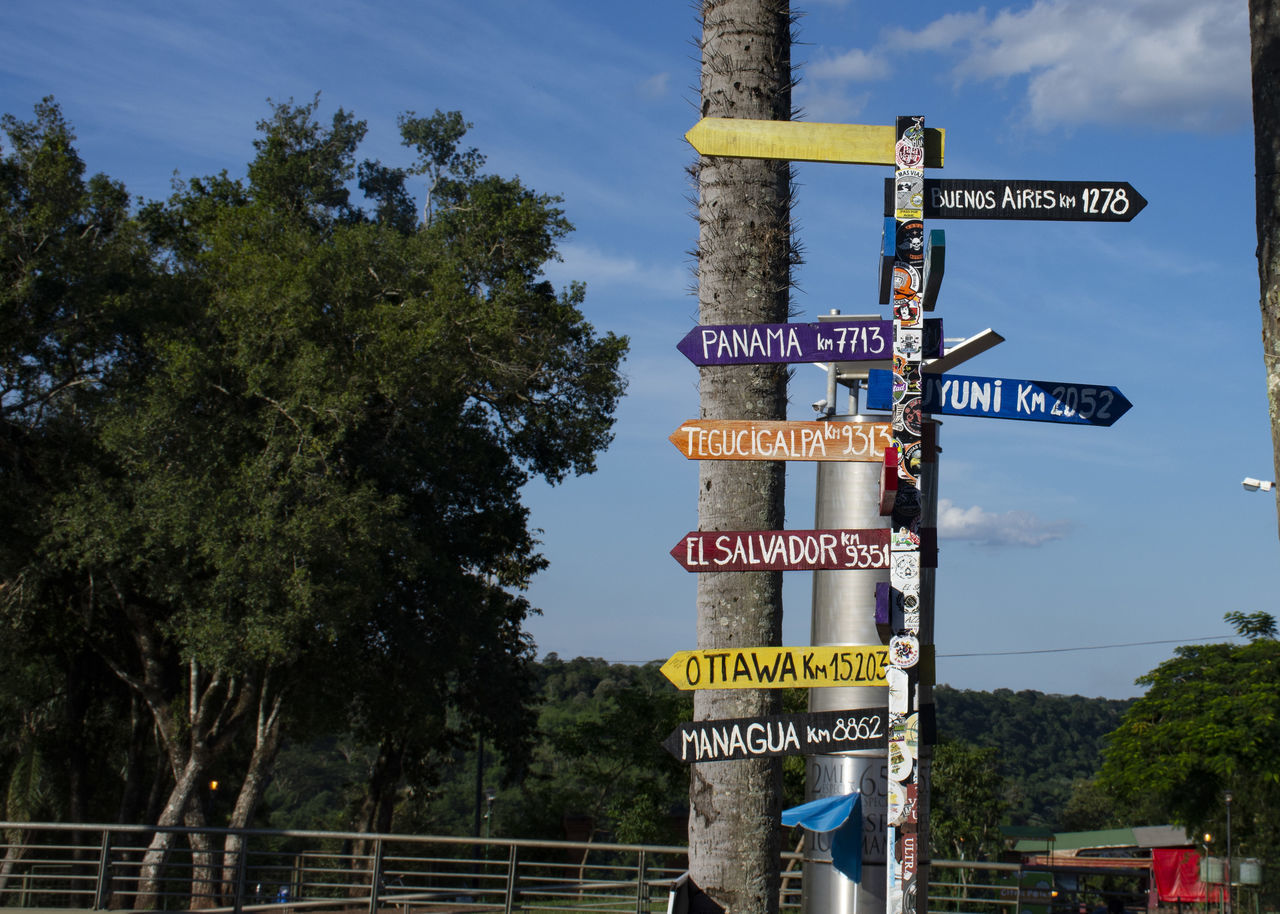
[(1149, 867)]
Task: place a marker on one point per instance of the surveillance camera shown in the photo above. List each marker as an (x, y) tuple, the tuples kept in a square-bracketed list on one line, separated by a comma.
[(819, 406), (1254, 485)]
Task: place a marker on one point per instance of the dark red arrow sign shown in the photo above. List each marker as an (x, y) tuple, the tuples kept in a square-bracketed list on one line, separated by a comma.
[(792, 550)]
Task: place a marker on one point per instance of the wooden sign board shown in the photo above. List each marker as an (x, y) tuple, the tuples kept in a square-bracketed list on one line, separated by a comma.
[(1054, 201), (778, 667), (802, 141), (1008, 398), (732, 439), (762, 344), (793, 550), (815, 733), (783, 550)]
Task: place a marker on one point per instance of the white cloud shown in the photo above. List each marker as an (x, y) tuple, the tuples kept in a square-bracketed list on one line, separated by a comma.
[(655, 86), (829, 104), (824, 93), (1012, 528), (600, 269), (1180, 64), (854, 64)]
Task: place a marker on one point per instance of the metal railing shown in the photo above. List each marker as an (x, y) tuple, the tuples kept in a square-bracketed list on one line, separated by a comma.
[(100, 867), (966, 887)]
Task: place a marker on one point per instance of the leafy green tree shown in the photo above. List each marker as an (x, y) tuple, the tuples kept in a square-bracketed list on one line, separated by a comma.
[(599, 756), (1208, 724), (304, 485), (1046, 742), (78, 284), (968, 798)]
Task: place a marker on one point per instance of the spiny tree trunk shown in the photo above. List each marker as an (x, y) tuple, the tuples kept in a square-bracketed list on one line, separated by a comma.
[(1264, 30), (745, 255)]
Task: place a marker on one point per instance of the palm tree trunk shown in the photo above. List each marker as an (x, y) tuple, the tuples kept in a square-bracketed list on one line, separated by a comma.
[(1264, 31), (745, 254)]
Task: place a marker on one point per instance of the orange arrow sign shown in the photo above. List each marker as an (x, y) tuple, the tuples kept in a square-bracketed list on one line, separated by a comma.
[(732, 439)]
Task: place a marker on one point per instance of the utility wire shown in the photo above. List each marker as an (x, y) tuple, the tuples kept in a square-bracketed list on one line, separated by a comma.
[(1093, 647), (1044, 650)]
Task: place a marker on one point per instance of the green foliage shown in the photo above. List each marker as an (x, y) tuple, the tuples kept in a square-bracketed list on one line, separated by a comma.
[(1045, 743), (597, 757), (968, 799), (600, 755), (279, 440), (1207, 724), (1252, 625)]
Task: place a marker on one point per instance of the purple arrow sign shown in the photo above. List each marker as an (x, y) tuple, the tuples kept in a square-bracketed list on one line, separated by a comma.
[(759, 344)]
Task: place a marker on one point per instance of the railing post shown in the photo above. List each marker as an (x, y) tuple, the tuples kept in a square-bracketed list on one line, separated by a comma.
[(376, 876), (102, 891), (641, 895), (512, 866)]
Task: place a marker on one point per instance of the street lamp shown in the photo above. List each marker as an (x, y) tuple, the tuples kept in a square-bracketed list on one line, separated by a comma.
[(1227, 796), (1253, 485), (489, 796)]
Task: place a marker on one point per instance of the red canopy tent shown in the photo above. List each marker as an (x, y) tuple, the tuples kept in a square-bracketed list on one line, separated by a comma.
[(1176, 871)]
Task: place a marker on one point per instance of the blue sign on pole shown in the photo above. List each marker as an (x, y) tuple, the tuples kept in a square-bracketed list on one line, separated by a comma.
[(1007, 398)]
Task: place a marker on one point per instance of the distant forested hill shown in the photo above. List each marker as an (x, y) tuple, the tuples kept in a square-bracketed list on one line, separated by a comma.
[(1045, 742), (597, 753)]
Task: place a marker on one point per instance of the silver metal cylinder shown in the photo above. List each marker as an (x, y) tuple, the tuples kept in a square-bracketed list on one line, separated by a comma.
[(844, 603)]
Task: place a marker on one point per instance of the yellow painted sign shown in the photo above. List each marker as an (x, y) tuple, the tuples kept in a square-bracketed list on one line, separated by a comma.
[(779, 667), (802, 141)]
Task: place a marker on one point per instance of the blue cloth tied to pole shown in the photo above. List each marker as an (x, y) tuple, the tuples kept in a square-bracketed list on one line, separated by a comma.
[(842, 816)]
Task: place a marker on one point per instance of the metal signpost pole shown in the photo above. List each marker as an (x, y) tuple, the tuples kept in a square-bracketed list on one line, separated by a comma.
[(844, 609), (907, 788)]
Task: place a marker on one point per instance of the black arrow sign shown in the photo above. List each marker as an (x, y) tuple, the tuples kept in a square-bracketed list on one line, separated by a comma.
[(1063, 201), (790, 734)]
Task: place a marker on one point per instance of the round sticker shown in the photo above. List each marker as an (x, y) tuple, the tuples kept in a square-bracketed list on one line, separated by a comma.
[(904, 651), (910, 238)]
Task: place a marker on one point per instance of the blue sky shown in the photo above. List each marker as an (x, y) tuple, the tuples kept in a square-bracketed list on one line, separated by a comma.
[(1052, 537)]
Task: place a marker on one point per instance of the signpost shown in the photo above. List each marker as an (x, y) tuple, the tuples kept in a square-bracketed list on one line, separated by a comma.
[(908, 598), (788, 734), (1008, 398), (731, 439), (1069, 201), (791, 550), (778, 667), (912, 265), (801, 141), (759, 344)]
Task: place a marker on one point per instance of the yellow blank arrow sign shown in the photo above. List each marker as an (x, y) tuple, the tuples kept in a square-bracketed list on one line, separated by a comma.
[(778, 667), (802, 141)]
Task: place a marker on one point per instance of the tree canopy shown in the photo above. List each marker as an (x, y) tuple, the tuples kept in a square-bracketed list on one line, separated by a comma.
[(1046, 744), (1208, 724), (265, 439)]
